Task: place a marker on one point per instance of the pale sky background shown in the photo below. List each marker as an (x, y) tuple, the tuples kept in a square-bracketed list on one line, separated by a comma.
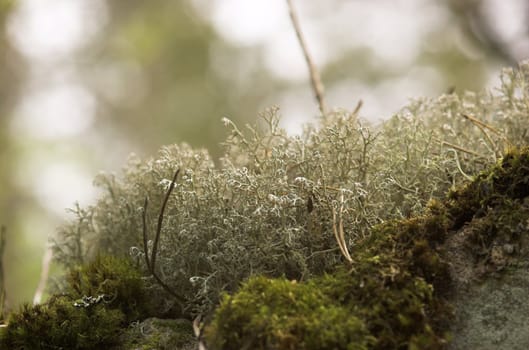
[(58, 107)]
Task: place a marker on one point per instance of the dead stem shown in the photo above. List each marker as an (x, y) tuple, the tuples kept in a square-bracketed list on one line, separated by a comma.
[(339, 235), (317, 85), (151, 263)]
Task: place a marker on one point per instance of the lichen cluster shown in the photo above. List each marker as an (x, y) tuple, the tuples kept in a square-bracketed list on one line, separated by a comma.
[(267, 206)]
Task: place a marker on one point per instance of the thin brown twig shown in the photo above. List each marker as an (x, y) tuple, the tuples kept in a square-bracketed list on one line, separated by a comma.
[(315, 78), (482, 126), (464, 150), (151, 263), (358, 106), (145, 243), (160, 218), (340, 236)]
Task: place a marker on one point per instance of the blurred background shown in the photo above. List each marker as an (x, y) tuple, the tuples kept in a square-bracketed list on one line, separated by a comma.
[(86, 82)]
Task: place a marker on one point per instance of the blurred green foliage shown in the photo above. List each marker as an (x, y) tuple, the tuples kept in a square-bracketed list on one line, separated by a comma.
[(182, 97)]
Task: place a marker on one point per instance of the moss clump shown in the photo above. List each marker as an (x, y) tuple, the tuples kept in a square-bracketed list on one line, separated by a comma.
[(280, 314), (58, 324), (508, 179), (101, 298), (496, 204), (118, 282)]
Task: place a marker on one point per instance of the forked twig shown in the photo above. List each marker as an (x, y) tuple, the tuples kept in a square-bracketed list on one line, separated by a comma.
[(315, 78), (459, 148), (151, 262), (482, 126)]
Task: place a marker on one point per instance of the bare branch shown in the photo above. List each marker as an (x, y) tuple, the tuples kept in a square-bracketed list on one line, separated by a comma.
[(315, 78), (358, 106)]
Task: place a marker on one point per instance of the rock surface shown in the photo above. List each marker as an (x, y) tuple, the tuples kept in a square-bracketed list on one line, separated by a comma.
[(491, 307)]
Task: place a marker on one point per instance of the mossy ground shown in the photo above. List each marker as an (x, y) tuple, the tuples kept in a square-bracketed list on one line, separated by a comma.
[(101, 299), (395, 293)]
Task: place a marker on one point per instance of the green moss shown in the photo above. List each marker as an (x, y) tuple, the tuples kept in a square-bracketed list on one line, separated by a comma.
[(509, 178), (394, 295), (59, 324), (100, 300), (114, 278), (496, 203), (279, 314)]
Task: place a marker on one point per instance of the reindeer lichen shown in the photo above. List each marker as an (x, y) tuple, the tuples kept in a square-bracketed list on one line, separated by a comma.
[(267, 206)]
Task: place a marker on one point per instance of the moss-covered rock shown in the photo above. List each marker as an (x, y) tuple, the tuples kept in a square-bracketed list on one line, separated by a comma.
[(489, 257), (116, 281), (398, 291)]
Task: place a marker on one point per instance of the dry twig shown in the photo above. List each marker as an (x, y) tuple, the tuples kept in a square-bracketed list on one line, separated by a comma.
[(315, 78), (482, 126), (151, 262), (339, 234)]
